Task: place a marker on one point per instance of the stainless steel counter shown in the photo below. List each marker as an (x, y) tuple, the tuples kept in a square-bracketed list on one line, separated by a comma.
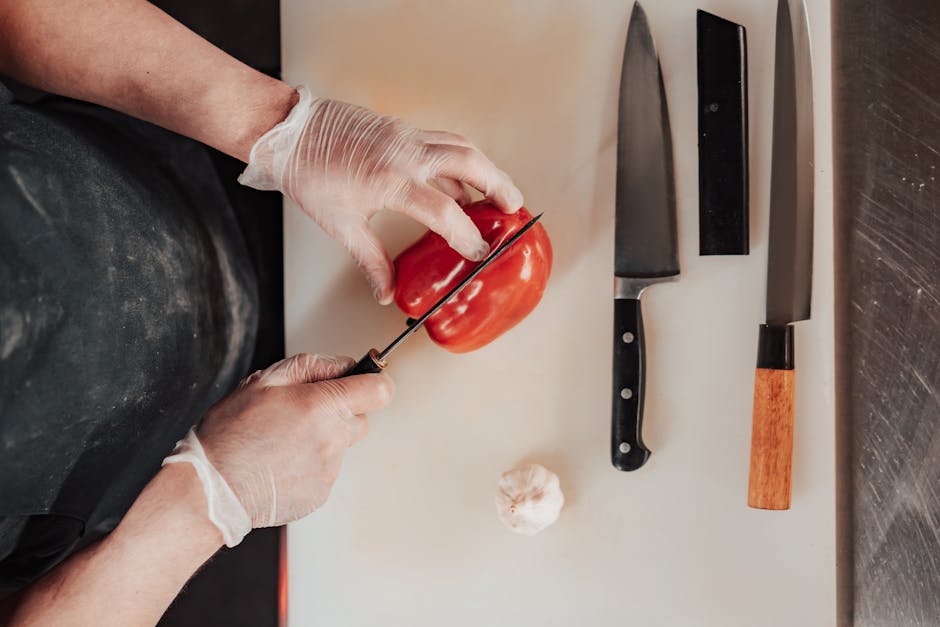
[(886, 107)]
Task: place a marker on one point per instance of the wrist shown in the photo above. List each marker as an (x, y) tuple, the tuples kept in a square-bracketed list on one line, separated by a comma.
[(174, 499), (223, 507), (270, 154), (192, 508), (268, 105)]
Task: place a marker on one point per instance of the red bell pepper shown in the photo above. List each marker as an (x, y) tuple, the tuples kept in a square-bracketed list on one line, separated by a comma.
[(494, 302)]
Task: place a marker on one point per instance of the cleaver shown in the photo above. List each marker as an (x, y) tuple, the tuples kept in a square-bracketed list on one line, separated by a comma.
[(645, 251)]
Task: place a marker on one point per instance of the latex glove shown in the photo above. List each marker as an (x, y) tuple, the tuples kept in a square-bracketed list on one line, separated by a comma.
[(342, 163), (268, 453)]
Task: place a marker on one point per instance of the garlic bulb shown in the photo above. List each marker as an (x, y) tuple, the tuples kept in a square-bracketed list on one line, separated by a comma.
[(529, 499)]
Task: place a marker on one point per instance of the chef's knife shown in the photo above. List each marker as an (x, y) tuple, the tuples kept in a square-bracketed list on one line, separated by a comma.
[(645, 233), (376, 361), (789, 261)]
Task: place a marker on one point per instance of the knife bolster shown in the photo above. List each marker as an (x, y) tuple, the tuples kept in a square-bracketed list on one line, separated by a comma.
[(775, 347), (370, 364), (628, 287)]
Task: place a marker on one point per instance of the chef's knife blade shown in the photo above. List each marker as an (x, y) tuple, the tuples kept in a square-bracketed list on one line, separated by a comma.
[(375, 361), (645, 233), (789, 260)]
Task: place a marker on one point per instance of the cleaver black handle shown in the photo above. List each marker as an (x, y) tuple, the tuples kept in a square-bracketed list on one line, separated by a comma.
[(627, 451)]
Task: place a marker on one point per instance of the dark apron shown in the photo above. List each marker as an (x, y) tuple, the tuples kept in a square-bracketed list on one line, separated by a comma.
[(127, 306)]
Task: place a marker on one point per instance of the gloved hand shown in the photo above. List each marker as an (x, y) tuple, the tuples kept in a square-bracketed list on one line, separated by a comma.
[(342, 163), (268, 453)]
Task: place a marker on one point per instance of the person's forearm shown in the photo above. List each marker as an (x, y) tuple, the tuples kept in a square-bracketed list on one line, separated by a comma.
[(131, 576), (131, 56)]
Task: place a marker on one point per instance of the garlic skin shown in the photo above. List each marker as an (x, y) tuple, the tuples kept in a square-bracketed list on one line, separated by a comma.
[(529, 499)]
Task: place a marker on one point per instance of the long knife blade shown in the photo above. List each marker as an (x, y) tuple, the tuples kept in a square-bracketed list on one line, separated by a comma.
[(374, 360), (790, 248), (645, 232), (789, 262)]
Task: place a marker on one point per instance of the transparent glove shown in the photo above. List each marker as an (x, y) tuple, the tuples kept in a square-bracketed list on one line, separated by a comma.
[(268, 453), (342, 163)]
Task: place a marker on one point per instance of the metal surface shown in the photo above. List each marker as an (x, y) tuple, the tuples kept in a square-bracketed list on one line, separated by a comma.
[(790, 254), (645, 233), (887, 158), (416, 324)]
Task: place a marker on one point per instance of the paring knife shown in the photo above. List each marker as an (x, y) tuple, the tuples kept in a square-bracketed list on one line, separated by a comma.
[(376, 361), (789, 261), (645, 233)]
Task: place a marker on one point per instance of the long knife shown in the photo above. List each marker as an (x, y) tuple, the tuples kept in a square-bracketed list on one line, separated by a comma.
[(789, 261), (645, 250), (376, 361)]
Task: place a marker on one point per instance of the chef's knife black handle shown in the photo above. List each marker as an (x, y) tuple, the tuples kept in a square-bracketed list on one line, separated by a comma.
[(370, 364), (627, 450)]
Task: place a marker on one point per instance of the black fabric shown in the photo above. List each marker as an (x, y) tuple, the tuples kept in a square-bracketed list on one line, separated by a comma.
[(31, 544), (127, 306), (240, 586)]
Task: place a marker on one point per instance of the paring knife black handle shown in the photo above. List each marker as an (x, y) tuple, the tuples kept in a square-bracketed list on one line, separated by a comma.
[(370, 364), (627, 450)]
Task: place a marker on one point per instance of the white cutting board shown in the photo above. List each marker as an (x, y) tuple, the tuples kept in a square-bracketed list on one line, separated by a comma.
[(410, 536)]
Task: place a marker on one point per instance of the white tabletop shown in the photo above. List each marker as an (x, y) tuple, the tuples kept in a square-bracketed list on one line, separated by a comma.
[(410, 536)]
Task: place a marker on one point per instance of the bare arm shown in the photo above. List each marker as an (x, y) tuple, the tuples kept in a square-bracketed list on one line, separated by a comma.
[(131, 56), (130, 577)]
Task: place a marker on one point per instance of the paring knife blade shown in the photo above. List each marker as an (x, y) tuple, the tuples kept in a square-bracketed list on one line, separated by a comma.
[(646, 250), (789, 261), (375, 361)]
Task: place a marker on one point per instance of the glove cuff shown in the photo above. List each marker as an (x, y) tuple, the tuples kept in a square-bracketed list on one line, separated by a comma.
[(269, 155), (225, 510)]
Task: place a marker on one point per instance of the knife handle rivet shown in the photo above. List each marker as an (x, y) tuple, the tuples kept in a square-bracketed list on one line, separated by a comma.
[(627, 338), (626, 393), (624, 448)]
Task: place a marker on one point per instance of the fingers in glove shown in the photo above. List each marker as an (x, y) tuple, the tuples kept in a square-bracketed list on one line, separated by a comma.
[(370, 255), (445, 137), (303, 368), (440, 213), (357, 427), (472, 167), (250, 379), (454, 189), (349, 396)]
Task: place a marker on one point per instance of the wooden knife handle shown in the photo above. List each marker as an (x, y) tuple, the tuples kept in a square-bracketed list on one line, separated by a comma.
[(769, 484), (627, 450)]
